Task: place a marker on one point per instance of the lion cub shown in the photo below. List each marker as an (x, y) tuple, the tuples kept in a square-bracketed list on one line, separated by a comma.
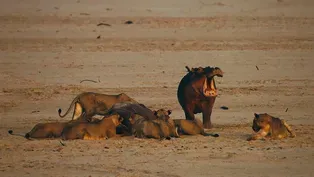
[(192, 127), (103, 129), (268, 126)]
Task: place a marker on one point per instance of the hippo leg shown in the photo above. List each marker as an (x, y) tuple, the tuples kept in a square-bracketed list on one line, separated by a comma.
[(207, 108)]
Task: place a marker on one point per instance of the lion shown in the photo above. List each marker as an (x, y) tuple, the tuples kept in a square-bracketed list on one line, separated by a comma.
[(49, 130), (143, 128), (159, 128), (126, 110), (167, 123), (268, 126), (88, 104), (192, 127), (103, 129), (44, 130)]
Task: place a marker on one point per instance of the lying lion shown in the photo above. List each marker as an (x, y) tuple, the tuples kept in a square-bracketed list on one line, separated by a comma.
[(192, 127), (160, 128), (49, 130), (44, 130), (103, 129), (143, 128), (91, 104), (268, 126)]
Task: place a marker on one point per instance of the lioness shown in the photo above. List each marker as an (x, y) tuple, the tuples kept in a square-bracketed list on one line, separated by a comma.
[(103, 129), (143, 128), (44, 130), (94, 103), (192, 127), (49, 130), (159, 128), (167, 124), (268, 126)]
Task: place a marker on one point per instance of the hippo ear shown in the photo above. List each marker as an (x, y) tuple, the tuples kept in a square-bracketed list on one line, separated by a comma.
[(169, 112), (187, 68), (256, 115), (155, 113)]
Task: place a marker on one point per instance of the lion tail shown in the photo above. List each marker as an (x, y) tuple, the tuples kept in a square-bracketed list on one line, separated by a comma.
[(71, 105), (209, 134), (27, 135), (289, 128)]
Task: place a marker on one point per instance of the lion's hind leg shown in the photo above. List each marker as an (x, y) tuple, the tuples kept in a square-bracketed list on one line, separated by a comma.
[(85, 135), (78, 110), (292, 133), (88, 136)]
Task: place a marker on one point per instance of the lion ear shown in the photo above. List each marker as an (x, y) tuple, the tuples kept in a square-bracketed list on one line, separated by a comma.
[(169, 112), (256, 115)]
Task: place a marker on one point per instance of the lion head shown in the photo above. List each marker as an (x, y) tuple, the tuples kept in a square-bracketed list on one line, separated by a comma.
[(162, 114), (260, 121)]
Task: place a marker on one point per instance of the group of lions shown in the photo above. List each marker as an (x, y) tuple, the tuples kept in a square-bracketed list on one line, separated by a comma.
[(122, 114), (131, 118)]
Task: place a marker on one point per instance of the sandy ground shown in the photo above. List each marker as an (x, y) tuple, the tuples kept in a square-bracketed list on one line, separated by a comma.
[(48, 47)]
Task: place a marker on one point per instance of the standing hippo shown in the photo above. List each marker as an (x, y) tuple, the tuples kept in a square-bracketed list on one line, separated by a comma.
[(197, 92)]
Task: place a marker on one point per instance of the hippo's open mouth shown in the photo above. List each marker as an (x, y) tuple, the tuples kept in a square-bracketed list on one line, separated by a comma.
[(210, 90)]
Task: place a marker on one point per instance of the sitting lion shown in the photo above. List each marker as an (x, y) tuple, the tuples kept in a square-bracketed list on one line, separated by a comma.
[(88, 104), (268, 126), (192, 127), (103, 129)]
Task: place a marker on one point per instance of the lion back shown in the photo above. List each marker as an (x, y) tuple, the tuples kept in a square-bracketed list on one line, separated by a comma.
[(277, 127)]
